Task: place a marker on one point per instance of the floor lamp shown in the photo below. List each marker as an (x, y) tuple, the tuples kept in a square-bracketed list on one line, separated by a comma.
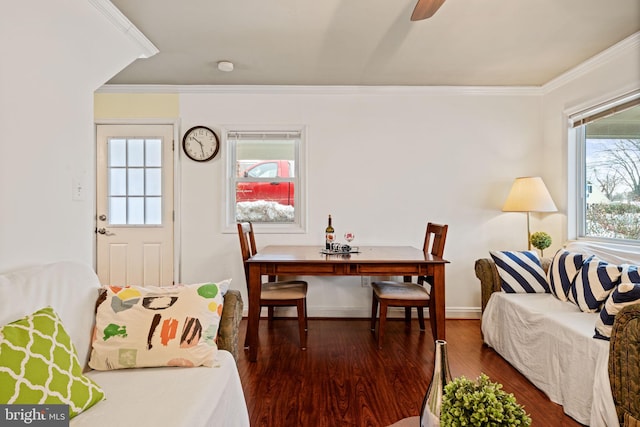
[(529, 194)]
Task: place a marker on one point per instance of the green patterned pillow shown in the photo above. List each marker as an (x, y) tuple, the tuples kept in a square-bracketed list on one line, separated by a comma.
[(39, 365)]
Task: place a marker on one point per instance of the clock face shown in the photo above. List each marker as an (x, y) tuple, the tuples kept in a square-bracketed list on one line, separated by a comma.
[(200, 143)]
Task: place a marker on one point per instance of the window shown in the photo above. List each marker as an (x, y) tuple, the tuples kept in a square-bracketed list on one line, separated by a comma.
[(135, 181), (264, 179), (608, 170)]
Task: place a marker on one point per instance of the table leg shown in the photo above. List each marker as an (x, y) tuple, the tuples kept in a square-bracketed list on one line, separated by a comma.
[(254, 286), (437, 303)]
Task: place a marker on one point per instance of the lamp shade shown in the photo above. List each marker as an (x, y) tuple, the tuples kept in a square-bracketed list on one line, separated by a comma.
[(529, 194)]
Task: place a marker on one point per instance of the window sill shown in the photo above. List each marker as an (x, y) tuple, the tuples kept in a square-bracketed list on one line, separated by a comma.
[(615, 252)]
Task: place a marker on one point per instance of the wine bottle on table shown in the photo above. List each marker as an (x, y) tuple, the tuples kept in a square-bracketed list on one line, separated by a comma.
[(329, 235)]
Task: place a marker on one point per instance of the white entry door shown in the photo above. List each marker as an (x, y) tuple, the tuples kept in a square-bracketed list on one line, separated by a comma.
[(134, 204)]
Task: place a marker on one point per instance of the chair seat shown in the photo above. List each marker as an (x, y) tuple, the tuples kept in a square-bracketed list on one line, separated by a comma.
[(290, 289), (395, 290), (406, 294)]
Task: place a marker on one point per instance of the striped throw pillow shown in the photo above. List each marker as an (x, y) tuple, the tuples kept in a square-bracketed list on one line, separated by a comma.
[(625, 294), (630, 274), (593, 284), (564, 268), (520, 272)]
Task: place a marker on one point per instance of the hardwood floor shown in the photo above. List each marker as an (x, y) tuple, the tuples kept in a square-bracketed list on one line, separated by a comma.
[(342, 379)]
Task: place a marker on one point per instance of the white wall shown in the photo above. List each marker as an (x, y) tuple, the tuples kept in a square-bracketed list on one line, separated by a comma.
[(53, 56), (383, 162)]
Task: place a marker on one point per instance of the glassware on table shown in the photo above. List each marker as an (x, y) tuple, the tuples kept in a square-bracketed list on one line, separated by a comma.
[(349, 236)]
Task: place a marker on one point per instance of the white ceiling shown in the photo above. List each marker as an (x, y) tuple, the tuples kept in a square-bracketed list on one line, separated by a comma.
[(372, 42)]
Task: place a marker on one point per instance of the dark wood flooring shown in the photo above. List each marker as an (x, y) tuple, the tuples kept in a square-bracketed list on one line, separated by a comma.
[(342, 379)]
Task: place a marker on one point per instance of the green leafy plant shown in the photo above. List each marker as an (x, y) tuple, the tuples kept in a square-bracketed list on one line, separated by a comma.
[(540, 240), (480, 403)]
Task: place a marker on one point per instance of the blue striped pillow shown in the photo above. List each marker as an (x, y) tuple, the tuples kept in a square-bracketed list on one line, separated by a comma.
[(593, 284), (520, 272), (623, 295), (564, 268)]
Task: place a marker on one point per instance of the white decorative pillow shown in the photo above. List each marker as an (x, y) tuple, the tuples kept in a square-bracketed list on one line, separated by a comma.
[(625, 294), (593, 284), (152, 326), (520, 272), (564, 268)]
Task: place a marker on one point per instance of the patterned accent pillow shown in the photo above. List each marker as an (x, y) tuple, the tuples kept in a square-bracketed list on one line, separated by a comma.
[(630, 274), (564, 268), (520, 272), (623, 295), (593, 284), (39, 365), (153, 326)]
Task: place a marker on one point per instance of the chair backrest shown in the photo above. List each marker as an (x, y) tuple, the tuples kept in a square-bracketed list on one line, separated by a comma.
[(434, 239), (247, 240), (247, 244)]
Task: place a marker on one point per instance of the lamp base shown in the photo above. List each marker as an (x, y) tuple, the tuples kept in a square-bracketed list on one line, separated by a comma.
[(528, 232)]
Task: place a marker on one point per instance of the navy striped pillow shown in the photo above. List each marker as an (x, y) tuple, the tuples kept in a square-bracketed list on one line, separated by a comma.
[(520, 272), (625, 294), (593, 284), (564, 267), (630, 274)]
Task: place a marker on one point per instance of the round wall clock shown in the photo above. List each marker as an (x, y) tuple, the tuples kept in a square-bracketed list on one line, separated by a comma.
[(200, 144)]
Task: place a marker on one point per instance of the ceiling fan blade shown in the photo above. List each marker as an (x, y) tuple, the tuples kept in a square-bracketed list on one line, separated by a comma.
[(425, 9)]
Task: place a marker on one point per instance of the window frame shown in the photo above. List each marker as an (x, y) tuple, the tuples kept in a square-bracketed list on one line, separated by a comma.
[(577, 173), (299, 225)]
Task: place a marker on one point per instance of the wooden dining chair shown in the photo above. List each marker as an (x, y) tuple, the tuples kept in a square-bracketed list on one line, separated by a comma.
[(407, 294), (289, 293)]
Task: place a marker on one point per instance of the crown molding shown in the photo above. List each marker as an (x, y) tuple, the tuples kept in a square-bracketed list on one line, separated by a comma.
[(625, 47), (325, 90), (123, 24)]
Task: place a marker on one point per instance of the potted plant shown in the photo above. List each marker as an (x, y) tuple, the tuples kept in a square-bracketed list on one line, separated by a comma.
[(540, 240), (480, 403)]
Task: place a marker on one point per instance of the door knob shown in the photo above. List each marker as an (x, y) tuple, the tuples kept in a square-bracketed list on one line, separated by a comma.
[(104, 231)]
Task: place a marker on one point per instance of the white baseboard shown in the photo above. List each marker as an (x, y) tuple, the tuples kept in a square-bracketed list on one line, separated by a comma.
[(365, 313)]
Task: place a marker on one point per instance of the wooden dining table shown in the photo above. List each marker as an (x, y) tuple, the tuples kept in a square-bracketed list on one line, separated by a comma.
[(406, 261)]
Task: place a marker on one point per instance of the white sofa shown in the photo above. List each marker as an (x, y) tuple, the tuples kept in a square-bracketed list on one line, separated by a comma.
[(551, 341), (164, 397)]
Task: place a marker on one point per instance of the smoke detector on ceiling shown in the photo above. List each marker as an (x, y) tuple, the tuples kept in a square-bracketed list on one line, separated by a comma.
[(226, 66)]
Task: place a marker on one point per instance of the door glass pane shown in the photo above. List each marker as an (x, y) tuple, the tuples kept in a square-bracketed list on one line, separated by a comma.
[(135, 214), (118, 182), (153, 210), (135, 184), (117, 210), (153, 155), (117, 152), (153, 182), (135, 152), (135, 171)]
